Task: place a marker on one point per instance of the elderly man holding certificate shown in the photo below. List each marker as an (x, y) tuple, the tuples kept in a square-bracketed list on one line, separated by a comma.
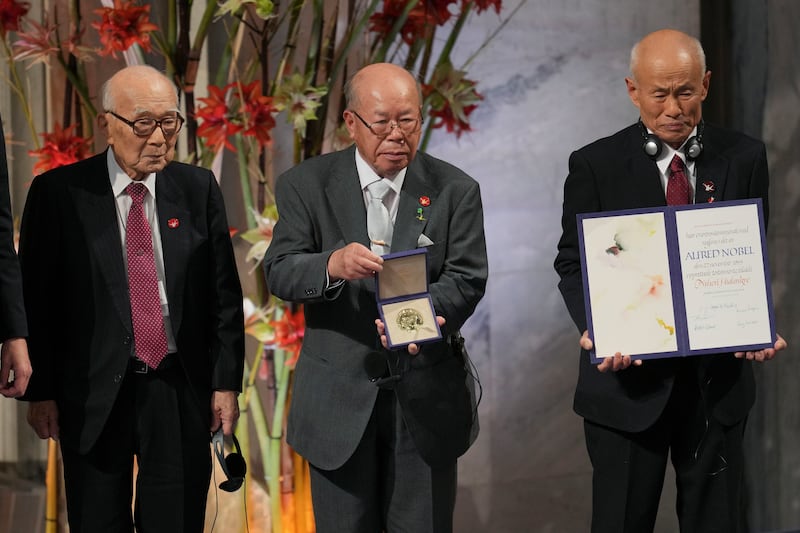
[(638, 413)]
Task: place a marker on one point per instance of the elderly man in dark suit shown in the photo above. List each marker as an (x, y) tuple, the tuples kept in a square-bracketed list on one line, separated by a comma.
[(382, 448), (636, 414), (135, 315), (13, 327)]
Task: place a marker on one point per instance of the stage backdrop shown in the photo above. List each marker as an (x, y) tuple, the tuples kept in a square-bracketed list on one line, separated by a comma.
[(552, 81)]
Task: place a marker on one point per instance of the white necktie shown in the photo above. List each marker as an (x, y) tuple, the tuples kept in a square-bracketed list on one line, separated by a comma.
[(379, 223)]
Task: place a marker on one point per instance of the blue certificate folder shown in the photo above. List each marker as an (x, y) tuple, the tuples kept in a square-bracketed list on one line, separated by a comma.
[(677, 281)]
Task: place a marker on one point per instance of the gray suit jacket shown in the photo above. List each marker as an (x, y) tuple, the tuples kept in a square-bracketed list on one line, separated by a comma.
[(321, 209)]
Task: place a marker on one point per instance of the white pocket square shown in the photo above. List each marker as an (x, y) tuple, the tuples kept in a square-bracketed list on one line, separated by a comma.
[(423, 240)]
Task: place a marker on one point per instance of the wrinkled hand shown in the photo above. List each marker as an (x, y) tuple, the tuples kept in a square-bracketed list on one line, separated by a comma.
[(14, 356), (354, 261), (224, 411), (763, 355), (43, 418), (614, 364), (413, 348)]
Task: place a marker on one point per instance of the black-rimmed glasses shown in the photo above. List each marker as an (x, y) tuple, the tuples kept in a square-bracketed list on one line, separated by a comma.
[(144, 127), (383, 128)]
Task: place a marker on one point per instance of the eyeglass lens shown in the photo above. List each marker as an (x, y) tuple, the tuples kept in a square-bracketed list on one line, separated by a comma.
[(146, 126), (385, 127)]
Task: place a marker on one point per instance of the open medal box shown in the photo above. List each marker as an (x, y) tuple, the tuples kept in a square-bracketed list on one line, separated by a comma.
[(404, 302)]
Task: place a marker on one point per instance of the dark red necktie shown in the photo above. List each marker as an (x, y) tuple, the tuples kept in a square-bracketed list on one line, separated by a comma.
[(148, 323), (677, 184)]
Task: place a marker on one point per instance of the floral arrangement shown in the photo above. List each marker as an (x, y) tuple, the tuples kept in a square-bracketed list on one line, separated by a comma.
[(279, 62)]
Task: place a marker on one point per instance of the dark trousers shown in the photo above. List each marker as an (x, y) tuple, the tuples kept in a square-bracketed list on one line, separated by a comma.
[(156, 419), (708, 458), (385, 485)]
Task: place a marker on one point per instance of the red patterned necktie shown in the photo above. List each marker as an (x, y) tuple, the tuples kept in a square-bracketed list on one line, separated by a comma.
[(677, 184), (148, 322)]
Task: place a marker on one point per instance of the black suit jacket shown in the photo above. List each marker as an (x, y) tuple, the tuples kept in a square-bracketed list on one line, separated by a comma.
[(614, 173), (321, 209), (76, 291), (12, 311)]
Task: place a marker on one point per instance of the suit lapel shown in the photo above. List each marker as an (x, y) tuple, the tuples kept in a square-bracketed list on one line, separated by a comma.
[(94, 202), (174, 224), (344, 191), (412, 215), (643, 186), (712, 172)]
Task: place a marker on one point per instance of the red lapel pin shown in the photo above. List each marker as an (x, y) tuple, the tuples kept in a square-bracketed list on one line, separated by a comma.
[(173, 223), (424, 201)]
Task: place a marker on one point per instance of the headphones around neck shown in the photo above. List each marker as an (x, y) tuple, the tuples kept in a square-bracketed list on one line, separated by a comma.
[(652, 144), (233, 465)]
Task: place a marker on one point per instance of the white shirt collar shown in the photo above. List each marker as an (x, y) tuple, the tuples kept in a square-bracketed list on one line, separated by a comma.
[(668, 152)]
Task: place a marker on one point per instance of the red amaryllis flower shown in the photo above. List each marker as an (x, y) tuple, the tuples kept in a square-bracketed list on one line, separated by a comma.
[(423, 16), (483, 5), (454, 122), (234, 108), (289, 333), (61, 147), (216, 124), (452, 98), (259, 110), (73, 46), (123, 26), (10, 14), (36, 44)]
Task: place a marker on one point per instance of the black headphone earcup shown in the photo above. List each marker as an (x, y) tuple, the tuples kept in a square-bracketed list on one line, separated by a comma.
[(233, 465), (231, 485), (237, 467)]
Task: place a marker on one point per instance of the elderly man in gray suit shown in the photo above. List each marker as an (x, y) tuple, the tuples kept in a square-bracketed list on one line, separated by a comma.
[(382, 447)]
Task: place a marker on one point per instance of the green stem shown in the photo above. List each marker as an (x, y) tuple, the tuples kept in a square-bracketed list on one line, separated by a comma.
[(274, 482), (287, 53), (243, 435), (444, 55), (389, 38), (244, 180), (355, 32), (265, 440), (423, 145), (202, 28), (318, 8), (172, 30), (16, 86), (221, 77), (79, 85)]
